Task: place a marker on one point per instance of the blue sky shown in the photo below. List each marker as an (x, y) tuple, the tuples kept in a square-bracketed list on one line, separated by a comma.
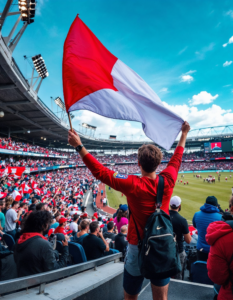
[(182, 49)]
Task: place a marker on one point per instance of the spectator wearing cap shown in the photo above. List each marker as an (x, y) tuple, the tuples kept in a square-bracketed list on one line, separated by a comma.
[(122, 217), (208, 213), (62, 226), (181, 230), (115, 214)]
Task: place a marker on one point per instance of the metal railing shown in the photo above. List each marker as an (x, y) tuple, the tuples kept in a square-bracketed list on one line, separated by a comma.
[(41, 279)]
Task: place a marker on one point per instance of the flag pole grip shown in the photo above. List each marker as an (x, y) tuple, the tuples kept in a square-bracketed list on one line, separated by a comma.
[(70, 121)]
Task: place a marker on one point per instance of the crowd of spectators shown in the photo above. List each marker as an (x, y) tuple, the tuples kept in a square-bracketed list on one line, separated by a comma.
[(36, 210), (8, 143), (52, 205)]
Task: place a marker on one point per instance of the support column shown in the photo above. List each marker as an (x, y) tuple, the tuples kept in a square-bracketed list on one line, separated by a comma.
[(9, 132), (8, 38), (38, 87), (15, 41), (5, 12)]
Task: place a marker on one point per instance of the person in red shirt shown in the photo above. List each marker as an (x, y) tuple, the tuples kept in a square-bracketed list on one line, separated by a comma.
[(62, 225), (141, 195)]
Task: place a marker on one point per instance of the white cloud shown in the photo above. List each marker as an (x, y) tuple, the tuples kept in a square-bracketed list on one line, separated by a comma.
[(227, 63), (227, 85), (202, 98), (186, 78), (201, 54), (105, 127), (183, 50), (213, 115), (191, 72), (164, 90), (229, 42), (230, 13)]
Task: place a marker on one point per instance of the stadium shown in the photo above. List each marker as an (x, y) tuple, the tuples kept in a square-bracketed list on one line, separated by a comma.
[(41, 172)]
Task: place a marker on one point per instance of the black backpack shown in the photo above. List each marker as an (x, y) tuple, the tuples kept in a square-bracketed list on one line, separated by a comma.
[(158, 251)]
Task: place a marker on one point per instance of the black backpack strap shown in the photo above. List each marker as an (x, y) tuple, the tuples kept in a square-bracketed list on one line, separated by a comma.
[(158, 205), (160, 192)]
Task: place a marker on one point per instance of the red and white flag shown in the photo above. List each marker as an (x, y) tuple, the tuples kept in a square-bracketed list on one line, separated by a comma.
[(2, 195), (26, 189), (34, 184), (38, 191), (16, 195), (95, 80)]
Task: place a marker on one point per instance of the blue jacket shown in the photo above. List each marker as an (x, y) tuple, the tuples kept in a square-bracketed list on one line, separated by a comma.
[(201, 220)]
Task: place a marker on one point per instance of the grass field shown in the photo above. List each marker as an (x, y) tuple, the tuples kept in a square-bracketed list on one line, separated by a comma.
[(193, 195)]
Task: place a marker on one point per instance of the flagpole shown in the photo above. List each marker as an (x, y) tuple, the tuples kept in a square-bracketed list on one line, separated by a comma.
[(70, 121)]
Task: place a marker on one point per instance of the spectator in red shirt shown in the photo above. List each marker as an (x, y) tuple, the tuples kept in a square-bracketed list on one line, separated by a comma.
[(141, 195), (62, 226)]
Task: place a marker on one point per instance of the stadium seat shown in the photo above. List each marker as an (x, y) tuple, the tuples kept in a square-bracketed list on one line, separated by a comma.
[(77, 252), (199, 272), (9, 241), (59, 247)]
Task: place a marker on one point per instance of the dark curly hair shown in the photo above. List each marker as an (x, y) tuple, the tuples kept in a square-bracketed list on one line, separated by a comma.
[(37, 221)]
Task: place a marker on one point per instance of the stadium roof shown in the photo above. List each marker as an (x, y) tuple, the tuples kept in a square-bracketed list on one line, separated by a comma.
[(25, 111)]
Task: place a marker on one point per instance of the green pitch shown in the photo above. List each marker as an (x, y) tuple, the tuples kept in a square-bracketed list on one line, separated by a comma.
[(192, 195)]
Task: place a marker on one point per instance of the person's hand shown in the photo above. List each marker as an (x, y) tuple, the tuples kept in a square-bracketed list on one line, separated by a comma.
[(185, 127), (74, 139), (65, 243), (20, 212), (101, 234)]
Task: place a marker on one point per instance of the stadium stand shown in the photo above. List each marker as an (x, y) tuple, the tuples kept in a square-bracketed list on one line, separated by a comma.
[(42, 178)]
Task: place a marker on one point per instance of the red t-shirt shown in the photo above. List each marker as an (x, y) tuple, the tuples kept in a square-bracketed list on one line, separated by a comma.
[(140, 192)]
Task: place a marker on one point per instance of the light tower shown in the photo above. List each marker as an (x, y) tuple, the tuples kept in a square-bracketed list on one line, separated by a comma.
[(26, 14), (40, 67)]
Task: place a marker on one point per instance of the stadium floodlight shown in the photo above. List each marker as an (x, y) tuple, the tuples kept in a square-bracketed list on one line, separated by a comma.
[(85, 125), (29, 131), (40, 66), (60, 103), (28, 10), (1, 114), (44, 139)]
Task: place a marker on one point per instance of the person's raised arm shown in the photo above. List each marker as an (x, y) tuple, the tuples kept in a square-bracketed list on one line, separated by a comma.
[(173, 166), (185, 129), (75, 141), (117, 181)]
